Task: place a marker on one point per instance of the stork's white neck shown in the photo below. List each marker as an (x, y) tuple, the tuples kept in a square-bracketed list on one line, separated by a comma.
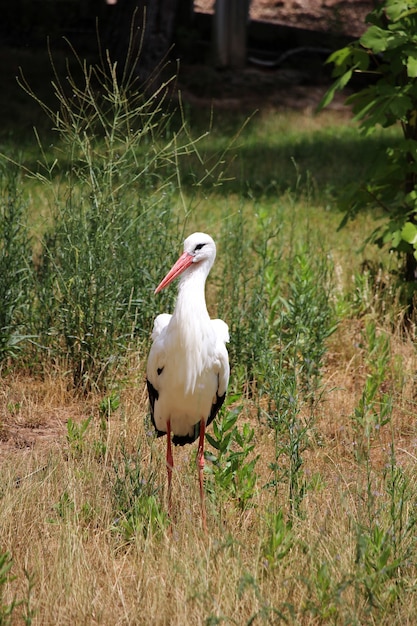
[(191, 300), (191, 324)]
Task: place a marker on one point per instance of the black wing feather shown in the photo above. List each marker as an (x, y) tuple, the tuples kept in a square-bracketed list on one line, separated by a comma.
[(153, 397)]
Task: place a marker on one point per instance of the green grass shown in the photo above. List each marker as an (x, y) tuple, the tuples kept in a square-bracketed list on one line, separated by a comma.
[(310, 478)]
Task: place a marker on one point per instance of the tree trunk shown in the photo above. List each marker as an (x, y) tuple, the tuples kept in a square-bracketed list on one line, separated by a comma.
[(230, 30)]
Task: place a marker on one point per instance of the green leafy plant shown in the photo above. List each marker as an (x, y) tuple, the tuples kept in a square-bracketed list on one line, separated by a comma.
[(107, 188), (15, 265), (279, 539), (6, 610), (113, 180), (76, 433), (374, 409), (231, 470), (291, 435), (301, 319), (65, 507), (324, 592), (136, 500), (306, 319), (382, 571), (387, 55), (242, 298)]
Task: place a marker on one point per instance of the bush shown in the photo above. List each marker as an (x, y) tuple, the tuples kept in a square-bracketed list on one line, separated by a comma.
[(15, 264), (114, 184), (387, 55)]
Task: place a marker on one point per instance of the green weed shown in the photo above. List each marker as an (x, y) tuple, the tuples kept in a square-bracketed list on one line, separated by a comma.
[(113, 182), (135, 500), (6, 609), (15, 265), (76, 435), (374, 408), (306, 319), (231, 471), (279, 539)]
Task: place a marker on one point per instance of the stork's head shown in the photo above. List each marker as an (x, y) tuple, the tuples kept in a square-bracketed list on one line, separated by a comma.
[(199, 248)]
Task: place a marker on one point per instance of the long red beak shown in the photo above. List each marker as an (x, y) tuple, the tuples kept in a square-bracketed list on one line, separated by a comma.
[(183, 262)]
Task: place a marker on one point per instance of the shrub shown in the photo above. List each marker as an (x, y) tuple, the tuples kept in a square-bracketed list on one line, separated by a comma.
[(386, 54), (113, 181), (15, 265)]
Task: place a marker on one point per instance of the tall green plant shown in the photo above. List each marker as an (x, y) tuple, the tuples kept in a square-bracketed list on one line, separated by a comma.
[(6, 609), (15, 265), (300, 321), (306, 319), (135, 499), (114, 181), (387, 55), (243, 300), (374, 409), (230, 472)]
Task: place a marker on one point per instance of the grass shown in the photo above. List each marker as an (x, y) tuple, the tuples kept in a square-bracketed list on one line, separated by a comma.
[(311, 489)]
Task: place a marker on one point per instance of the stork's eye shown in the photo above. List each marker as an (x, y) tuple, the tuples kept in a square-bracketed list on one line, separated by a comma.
[(199, 246)]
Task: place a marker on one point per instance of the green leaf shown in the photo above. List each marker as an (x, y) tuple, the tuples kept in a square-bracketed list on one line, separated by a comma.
[(212, 441), (376, 39), (399, 104), (412, 66), (340, 57), (230, 420), (409, 233), (397, 11), (338, 85)]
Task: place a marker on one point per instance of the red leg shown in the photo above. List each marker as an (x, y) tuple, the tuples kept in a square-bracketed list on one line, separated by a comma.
[(200, 462), (170, 466)]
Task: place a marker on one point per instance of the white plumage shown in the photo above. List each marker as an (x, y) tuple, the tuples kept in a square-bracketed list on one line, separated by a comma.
[(188, 366)]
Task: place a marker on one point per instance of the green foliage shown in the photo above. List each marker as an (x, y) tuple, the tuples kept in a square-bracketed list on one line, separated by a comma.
[(280, 315), (306, 319), (242, 299), (386, 54), (279, 539), (325, 590), (291, 437), (135, 500), (146, 516), (385, 542), (231, 470), (374, 409), (76, 435), (99, 261), (65, 507), (6, 610), (109, 405), (301, 319), (113, 180), (15, 264), (385, 520)]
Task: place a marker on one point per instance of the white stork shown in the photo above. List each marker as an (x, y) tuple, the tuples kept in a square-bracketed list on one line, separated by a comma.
[(188, 365)]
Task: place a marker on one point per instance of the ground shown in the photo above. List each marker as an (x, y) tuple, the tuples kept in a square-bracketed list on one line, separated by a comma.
[(342, 16)]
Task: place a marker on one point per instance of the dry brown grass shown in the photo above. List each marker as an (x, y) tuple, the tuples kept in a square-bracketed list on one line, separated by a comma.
[(57, 515)]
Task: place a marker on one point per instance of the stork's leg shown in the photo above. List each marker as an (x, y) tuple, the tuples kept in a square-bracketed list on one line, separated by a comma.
[(200, 461), (170, 466)]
